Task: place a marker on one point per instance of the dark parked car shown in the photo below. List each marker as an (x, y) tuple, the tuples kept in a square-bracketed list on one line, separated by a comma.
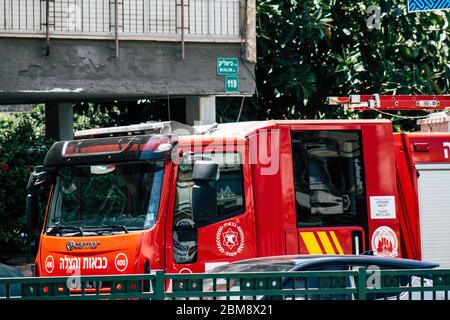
[(9, 272), (333, 263)]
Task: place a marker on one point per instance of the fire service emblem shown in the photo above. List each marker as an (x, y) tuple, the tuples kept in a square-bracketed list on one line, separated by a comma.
[(384, 242), (230, 239)]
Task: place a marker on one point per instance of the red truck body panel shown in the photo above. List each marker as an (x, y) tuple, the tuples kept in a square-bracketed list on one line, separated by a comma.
[(413, 149)]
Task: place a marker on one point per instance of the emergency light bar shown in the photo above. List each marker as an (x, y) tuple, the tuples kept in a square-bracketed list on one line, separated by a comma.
[(110, 150), (166, 127), (391, 102)]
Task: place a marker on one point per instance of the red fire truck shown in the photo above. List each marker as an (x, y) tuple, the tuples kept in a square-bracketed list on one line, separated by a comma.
[(183, 199)]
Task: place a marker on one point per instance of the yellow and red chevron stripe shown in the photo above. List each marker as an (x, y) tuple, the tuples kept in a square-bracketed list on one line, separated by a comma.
[(321, 242)]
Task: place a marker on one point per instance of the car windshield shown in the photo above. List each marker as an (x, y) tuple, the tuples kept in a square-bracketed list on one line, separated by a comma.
[(114, 197)]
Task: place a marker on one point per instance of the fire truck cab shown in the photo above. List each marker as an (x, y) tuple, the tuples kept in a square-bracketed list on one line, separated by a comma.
[(183, 199)]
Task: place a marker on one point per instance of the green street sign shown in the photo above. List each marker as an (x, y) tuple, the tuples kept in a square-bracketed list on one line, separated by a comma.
[(231, 84), (227, 66)]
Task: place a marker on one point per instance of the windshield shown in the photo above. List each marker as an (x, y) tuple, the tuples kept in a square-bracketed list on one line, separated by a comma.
[(108, 198)]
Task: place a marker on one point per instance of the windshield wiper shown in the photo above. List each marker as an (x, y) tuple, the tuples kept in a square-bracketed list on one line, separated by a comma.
[(62, 227), (113, 227)]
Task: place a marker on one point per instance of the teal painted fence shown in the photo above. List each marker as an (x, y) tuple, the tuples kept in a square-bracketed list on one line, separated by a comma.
[(360, 284)]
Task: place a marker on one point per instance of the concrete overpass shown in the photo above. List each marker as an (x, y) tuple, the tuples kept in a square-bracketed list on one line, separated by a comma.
[(65, 51)]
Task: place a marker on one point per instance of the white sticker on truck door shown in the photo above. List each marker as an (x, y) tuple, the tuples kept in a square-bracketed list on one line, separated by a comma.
[(382, 207)]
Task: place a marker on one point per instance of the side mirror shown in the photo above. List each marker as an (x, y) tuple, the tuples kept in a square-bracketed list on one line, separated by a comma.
[(38, 177), (204, 195), (205, 171)]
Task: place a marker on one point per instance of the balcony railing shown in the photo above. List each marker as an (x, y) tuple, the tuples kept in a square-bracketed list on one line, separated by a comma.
[(136, 18)]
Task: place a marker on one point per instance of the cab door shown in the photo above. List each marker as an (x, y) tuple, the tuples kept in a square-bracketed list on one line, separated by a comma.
[(229, 234), (330, 195)]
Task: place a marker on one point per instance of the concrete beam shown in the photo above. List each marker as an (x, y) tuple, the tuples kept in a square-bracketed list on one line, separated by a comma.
[(200, 110), (250, 32), (59, 121)]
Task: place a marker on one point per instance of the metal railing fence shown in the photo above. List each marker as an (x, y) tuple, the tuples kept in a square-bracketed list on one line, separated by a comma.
[(143, 18), (358, 284)]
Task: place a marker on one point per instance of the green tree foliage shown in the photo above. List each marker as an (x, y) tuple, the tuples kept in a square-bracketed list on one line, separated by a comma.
[(22, 146), (311, 49), (121, 113)]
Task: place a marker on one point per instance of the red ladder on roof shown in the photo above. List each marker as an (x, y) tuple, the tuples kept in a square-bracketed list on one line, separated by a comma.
[(391, 102)]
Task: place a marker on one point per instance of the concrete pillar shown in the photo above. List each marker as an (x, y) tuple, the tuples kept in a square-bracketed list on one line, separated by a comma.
[(200, 110), (59, 121)]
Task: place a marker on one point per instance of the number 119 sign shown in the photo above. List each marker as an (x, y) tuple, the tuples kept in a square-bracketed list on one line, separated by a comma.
[(231, 84)]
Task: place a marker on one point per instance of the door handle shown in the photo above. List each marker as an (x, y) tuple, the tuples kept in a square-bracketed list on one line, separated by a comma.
[(356, 242)]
